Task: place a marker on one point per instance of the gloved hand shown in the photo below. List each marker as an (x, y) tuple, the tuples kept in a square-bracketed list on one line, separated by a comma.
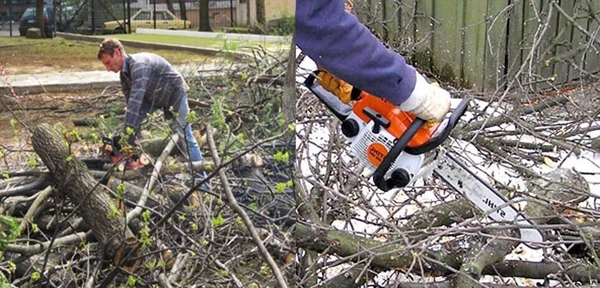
[(121, 145), (337, 86), (120, 150), (427, 101), (116, 139)]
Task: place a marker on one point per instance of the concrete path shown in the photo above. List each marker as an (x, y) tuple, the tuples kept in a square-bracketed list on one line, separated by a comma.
[(80, 81), (58, 82)]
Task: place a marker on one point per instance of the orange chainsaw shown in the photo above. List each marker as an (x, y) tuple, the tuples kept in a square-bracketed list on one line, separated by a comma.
[(399, 148), (111, 154)]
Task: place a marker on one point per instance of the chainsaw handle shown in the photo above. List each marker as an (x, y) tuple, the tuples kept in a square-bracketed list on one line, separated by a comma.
[(335, 105), (399, 146), (458, 112)]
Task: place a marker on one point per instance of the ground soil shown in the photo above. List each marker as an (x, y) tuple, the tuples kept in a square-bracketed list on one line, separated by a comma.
[(24, 56), (17, 115)]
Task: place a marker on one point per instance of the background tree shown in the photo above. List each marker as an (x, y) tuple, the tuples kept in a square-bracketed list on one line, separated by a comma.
[(261, 16), (183, 9), (171, 8), (204, 16), (39, 16)]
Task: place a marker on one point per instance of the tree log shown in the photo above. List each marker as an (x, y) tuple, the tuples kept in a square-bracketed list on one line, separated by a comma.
[(155, 146), (73, 178), (577, 271)]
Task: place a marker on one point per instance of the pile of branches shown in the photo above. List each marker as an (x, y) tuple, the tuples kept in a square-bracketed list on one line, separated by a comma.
[(522, 139), (65, 224), (427, 230)]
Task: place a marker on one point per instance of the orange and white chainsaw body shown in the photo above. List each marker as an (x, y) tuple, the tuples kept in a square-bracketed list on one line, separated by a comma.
[(371, 148), (373, 127)]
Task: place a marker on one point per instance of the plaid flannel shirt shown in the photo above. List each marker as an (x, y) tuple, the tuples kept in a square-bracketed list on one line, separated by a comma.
[(149, 77)]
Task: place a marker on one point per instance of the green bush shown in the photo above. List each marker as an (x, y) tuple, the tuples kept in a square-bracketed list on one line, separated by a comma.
[(282, 26)]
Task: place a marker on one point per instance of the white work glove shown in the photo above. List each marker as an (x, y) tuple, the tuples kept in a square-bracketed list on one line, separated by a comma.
[(427, 101)]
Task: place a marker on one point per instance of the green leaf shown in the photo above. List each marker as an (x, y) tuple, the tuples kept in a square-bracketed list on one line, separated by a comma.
[(31, 162), (217, 221), (146, 216), (114, 212), (239, 222), (192, 117), (280, 187), (253, 206), (131, 281), (282, 157), (35, 276), (223, 273)]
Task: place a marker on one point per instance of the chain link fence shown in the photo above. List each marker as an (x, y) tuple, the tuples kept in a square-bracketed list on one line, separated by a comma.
[(89, 16)]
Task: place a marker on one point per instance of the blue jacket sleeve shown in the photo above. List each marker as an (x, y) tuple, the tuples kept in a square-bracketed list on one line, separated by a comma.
[(339, 43)]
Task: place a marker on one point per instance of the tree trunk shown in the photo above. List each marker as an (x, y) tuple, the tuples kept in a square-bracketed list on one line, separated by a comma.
[(39, 16), (261, 16), (73, 179), (289, 89), (172, 9), (204, 17), (183, 10)]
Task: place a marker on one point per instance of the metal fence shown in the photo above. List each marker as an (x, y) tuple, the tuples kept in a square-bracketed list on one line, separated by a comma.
[(88, 16)]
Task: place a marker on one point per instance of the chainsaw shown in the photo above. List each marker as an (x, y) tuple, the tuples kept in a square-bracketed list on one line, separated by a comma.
[(111, 154), (400, 148)]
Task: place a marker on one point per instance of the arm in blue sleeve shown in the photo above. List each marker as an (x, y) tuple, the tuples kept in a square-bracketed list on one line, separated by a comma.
[(339, 43), (140, 79)]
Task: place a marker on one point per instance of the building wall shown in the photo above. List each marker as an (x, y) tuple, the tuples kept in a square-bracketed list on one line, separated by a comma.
[(219, 17), (275, 9)]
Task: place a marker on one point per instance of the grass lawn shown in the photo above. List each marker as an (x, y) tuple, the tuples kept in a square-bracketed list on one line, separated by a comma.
[(19, 55), (215, 43)]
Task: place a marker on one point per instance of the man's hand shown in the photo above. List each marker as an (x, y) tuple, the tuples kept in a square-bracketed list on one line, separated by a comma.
[(337, 86), (116, 139), (428, 101), (126, 154)]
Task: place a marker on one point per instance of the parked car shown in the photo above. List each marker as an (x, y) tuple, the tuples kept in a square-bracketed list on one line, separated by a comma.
[(28, 20), (145, 19)]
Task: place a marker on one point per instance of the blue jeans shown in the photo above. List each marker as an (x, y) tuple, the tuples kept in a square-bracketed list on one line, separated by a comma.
[(187, 137), (180, 125), (184, 130)]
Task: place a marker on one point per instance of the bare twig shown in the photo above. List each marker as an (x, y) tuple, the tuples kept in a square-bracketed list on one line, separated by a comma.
[(249, 225)]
